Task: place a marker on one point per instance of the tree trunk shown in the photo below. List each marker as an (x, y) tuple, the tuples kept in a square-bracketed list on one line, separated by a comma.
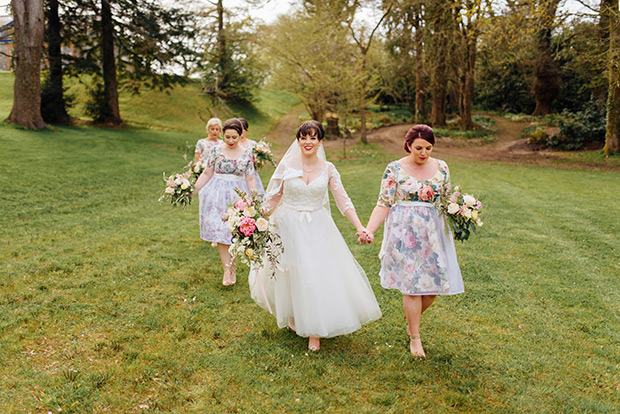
[(440, 26), (110, 84), (221, 49), (53, 105), (364, 133), (613, 101), (29, 29), (547, 75), (418, 115), (467, 92)]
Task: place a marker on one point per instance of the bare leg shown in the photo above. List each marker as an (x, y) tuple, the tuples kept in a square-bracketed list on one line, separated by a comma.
[(228, 264), (414, 306), (314, 344)]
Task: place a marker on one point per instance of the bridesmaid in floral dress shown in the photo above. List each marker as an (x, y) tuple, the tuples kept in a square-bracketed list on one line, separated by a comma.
[(204, 145), (229, 165), (251, 144), (418, 257)]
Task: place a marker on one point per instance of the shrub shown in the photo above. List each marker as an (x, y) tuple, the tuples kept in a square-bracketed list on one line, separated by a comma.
[(580, 129), (538, 136)]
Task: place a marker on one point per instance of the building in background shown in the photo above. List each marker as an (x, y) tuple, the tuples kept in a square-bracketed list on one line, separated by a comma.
[(6, 41)]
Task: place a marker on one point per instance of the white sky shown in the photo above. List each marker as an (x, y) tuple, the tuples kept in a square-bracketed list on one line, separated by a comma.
[(273, 8)]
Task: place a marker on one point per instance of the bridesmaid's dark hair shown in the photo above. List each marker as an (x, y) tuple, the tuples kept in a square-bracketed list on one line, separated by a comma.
[(244, 123), (233, 123), (419, 131), (311, 128)]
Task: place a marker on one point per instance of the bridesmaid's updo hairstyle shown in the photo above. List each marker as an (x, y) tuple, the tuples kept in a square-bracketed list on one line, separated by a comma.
[(244, 123), (233, 123), (214, 121), (419, 131), (311, 128)]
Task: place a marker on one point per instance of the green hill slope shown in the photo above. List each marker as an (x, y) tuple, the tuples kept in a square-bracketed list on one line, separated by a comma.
[(183, 108)]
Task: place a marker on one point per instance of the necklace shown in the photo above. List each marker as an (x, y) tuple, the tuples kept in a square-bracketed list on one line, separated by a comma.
[(311, 170)]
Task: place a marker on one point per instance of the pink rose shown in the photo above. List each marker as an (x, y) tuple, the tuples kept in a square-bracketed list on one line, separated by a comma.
[(247, 225), (409, 268), (171, 183), (410, 241), (241, 204), (426, 193), (225, 217)]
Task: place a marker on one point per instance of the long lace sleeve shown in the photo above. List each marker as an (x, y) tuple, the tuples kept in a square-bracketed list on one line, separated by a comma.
[(341, 197), (272, 199)]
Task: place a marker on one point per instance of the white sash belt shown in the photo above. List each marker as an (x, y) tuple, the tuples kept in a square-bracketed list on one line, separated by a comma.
[(229, 177), (414, 203)]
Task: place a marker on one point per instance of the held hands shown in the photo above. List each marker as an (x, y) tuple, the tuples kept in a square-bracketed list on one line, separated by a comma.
[(364, 236)]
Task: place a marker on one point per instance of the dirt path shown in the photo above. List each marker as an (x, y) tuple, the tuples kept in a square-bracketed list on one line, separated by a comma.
[(508, 145)]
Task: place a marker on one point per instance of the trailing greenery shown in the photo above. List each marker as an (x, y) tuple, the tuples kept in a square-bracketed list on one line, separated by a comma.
[(110, 302)]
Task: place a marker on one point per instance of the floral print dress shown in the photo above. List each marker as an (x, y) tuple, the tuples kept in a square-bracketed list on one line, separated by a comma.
[(219, 193), (417, 255)]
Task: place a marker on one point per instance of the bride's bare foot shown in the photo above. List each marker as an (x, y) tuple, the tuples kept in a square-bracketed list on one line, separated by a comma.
[(415, 347), (291, 324), (314, 344)]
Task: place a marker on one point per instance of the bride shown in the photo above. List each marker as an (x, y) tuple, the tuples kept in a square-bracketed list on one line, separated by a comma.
[(318, 289)]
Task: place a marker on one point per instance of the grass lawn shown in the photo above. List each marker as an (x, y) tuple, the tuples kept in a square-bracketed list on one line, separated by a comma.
[(110, 302)]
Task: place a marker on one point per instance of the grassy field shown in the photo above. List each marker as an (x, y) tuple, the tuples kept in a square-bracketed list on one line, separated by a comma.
[(110, 302)]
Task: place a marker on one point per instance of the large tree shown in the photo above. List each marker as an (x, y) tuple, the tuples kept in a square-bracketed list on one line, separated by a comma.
[(124, 43), (612, 144), (231, 72), (364, 42), (29, 28), (547, 74), (53, 101), (312, 54)]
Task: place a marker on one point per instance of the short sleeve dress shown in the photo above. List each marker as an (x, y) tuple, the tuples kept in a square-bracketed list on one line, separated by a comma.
[(219, 193), (417, 254), (259, 183), (204, 146)]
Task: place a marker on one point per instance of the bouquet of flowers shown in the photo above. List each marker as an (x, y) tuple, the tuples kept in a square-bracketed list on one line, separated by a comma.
[(195, 168), (262, 154), (253, 239), (463, 212), (179, 189)]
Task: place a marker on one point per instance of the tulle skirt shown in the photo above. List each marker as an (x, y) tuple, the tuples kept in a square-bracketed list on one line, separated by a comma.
[(418, 255), (215, 198), (318, 285)]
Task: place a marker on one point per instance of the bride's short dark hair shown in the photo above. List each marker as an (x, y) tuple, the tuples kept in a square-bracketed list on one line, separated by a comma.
[(311, 128)]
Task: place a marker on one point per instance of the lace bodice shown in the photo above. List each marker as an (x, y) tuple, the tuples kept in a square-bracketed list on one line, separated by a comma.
[(295, 194)]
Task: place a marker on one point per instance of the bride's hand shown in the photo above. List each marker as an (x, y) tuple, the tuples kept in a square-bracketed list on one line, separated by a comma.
[(364, 237)]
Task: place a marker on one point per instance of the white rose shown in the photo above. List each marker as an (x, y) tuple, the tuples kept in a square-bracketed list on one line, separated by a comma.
[(249, 211), (169, 190), (262, 224), (427, 283), (453, 208), (178, 181), (469, 200), (230, 224), (196, 168), (185, 184), (467, 212), (231, 212)]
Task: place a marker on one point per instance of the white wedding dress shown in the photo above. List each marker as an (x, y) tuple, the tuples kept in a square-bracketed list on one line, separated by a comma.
[(318, 286)]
